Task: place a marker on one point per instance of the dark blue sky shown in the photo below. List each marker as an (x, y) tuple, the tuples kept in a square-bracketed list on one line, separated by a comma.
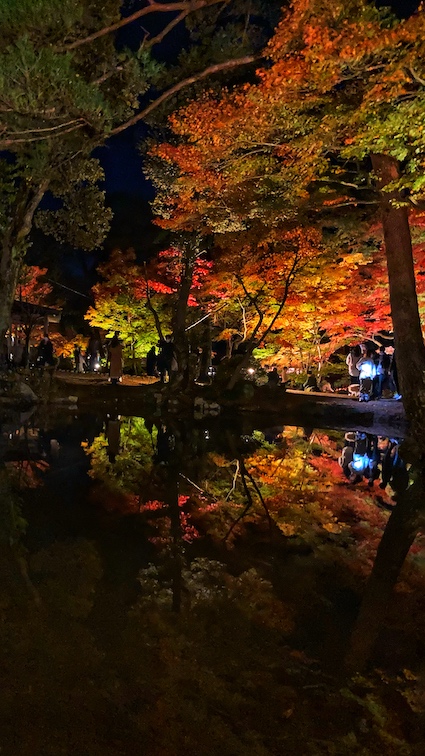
[(123, 163)]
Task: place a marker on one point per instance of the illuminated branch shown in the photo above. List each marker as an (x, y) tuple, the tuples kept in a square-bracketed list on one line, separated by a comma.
[(186, 6), (415, 76), (216, 68), (253, 301), (50, 128), (146, 44), (8, 142), (159, 37), (244, 475), (235, 477), (208, 315)]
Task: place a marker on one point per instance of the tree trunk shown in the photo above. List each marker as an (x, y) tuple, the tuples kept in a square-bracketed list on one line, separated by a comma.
[(410, 357), (172, 500), (409, 345), (13, 247), (181, 342), (396, 541), (244, 361), (205, 361), (10, 266)]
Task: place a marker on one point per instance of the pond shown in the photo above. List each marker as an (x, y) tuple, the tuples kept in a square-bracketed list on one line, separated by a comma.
[(194, 587)]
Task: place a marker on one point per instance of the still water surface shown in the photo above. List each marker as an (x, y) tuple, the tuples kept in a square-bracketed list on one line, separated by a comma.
[(166, 580)]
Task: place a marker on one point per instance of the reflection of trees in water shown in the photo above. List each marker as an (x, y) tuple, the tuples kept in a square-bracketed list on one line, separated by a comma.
[(242, 490), (228, 659), (407, 520)]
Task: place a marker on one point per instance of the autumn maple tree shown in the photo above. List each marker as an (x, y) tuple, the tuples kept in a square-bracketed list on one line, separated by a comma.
[(144, 302), (332, 131), (33, 289)]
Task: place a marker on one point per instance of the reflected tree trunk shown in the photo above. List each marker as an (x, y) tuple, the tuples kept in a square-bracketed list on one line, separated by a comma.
[(172, 501), (205, 362), (398, 537)]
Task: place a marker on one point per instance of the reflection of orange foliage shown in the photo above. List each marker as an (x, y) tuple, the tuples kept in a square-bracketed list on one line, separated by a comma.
[(113, 500), (29, 471), (162, 523)]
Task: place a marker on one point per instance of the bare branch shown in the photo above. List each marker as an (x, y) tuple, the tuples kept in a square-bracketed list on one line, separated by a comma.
[(415, 76), (234, 480), (216, 68), (50, 128), (159, 37), (8, 142), (153, 7)]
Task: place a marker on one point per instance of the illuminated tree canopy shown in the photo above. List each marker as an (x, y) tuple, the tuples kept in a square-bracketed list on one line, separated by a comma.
[(331, 132)]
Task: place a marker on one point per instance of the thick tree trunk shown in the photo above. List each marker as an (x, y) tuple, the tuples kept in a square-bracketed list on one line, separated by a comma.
[(244, 362), (410, 356), (13, 247), (409, 345), (181, 342)]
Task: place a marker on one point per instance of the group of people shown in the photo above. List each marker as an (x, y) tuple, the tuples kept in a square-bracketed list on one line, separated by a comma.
[(15, 354), (161, 365), (372, 372), (371, 458), (88, 360)]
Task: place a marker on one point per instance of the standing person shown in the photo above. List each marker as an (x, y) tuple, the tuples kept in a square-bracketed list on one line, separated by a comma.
[(93, 353), (273, 377), (351, 361), (115, 358), (82, 364), (77, 352), (151, 361), (382, 370), (284, 377), (367, 370), (165, 357), (310, 384), (45, 352)]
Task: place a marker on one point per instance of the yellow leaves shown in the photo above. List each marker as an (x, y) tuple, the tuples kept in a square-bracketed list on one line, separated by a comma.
[(409, 675), (288, 529), (219, 460), (332, 527)]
